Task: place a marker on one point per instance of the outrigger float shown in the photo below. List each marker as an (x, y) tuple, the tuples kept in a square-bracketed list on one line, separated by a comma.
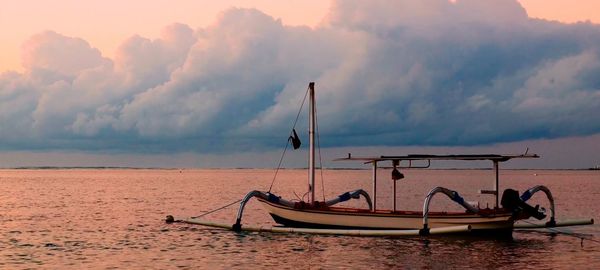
[(323, 217)]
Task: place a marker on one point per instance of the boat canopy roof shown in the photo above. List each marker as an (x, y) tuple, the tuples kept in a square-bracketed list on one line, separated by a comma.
[(491, 157)]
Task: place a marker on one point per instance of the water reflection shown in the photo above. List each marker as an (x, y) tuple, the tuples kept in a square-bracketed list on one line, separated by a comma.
[(114, 219)]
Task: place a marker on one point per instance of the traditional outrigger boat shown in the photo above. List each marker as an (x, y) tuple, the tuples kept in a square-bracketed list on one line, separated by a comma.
[(324, 217)]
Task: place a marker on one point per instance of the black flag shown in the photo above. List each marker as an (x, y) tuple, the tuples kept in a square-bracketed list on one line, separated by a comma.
[(295, 140)]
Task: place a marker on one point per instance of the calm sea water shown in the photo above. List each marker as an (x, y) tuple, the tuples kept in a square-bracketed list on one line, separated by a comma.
[(109, 219)]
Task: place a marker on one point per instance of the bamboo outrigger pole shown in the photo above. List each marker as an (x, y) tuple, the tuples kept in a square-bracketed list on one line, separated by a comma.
[(349, 232)]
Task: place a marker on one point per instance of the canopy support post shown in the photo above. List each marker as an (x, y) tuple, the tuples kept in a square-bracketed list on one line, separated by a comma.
[(374, 186), (394, 194), (496, 182)]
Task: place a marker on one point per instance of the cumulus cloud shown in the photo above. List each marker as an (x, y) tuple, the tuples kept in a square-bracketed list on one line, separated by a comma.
[(50, 52), (388, 72)]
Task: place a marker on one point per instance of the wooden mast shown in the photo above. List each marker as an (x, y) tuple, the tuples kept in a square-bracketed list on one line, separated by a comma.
[(311, 151)]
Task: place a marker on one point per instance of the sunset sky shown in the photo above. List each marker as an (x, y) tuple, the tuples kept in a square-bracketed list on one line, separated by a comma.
[(202, 83), (106, 24)]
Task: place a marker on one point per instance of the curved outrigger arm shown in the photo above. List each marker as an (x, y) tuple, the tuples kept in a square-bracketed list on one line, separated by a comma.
[(529, 193), (268, 196), (453, 195), (351, 195)]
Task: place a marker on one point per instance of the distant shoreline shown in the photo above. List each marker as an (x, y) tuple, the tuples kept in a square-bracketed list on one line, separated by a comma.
[(244, 168)]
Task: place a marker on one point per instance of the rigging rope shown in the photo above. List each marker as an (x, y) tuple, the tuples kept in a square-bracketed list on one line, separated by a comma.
[(319, 147), (288, 141)]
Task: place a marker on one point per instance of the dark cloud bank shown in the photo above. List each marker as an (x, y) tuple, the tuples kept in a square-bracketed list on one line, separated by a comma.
[(387, 72)]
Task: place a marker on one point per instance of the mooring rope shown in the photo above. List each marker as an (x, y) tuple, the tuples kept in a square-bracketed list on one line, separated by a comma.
[(554, 230), (220, 208), (288, 141)]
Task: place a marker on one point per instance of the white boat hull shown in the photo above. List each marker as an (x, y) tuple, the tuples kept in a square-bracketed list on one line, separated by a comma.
[(349, 218)]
